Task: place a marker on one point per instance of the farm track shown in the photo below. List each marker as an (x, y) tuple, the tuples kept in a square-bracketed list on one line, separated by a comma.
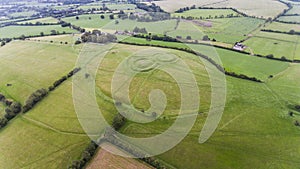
[(46, 126)]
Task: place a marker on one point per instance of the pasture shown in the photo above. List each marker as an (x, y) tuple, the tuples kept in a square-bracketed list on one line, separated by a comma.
[(279, 45), (294, 10), (278, 26), (206, 13), (290, 18), (53, 142), (91, 21), (41, 20), (230, 30), (256, 122), (121, 6), (17, 31), (164, 26), (250, 7), (33, 66), (22, 14)]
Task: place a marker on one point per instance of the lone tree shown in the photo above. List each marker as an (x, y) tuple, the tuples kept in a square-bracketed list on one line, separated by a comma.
[(111, 16), (205, 38), (102, 16), (189, 38)]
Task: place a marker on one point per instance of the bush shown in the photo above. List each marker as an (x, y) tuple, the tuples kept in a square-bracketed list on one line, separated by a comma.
[(77, 42), (118, 121)]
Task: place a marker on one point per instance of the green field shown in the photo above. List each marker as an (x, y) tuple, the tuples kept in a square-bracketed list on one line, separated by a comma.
[(206, 13), (121, 6), (290, 18), (33, 66), (17, 31), (231, 30), (252, 8), (84, 21), (164, 26), (42, 20), (23, 14), (52, 142), (279, 45), (294, 10), (283, 27), (251, 113)]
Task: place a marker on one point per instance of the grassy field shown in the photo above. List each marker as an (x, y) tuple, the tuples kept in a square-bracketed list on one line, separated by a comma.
[(84, 21), (248, 122), (17, 31), (254, 7), (231, 61), (290, 18), (121, 6), (279, 45), (294, 10), (164, 26), (228, 30), (231, 30), (206, 13), (23, 14), (42, 20), (282, 27), (250, 7), (33, 66), (52, 142)]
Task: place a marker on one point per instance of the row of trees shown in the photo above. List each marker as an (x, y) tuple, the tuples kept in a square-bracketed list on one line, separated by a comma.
[(40, 94), (291, 32), (12, 109), (86, 156)]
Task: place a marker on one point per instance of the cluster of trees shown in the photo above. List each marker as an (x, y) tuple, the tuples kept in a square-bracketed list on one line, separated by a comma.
[(118, 121), (97, 36), (241, 76), (86, 156), (34, 98), (12, 109), (64, 78), (291, 32), (140, 30), (149, 8), (4, 41)]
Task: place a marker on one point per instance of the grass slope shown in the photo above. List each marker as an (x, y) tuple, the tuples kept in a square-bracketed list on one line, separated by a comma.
[(33, 66), (17, 31)]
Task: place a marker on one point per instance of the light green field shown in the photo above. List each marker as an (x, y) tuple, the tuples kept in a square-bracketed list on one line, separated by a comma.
[(231, 61), (50, 135), (283, 27), (294, 10), (231, 30), (290, 18), (164, 26), (17, 31), (277, 44), (248, 122), (84, 21), (251, 66), (121, 6), (24, 14), (86, 7), (33, 66), (42, 20), (58, 39), (205, 13), (250, 7)]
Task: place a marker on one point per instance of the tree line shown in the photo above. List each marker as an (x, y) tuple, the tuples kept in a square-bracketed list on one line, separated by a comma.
[(12, 109)]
